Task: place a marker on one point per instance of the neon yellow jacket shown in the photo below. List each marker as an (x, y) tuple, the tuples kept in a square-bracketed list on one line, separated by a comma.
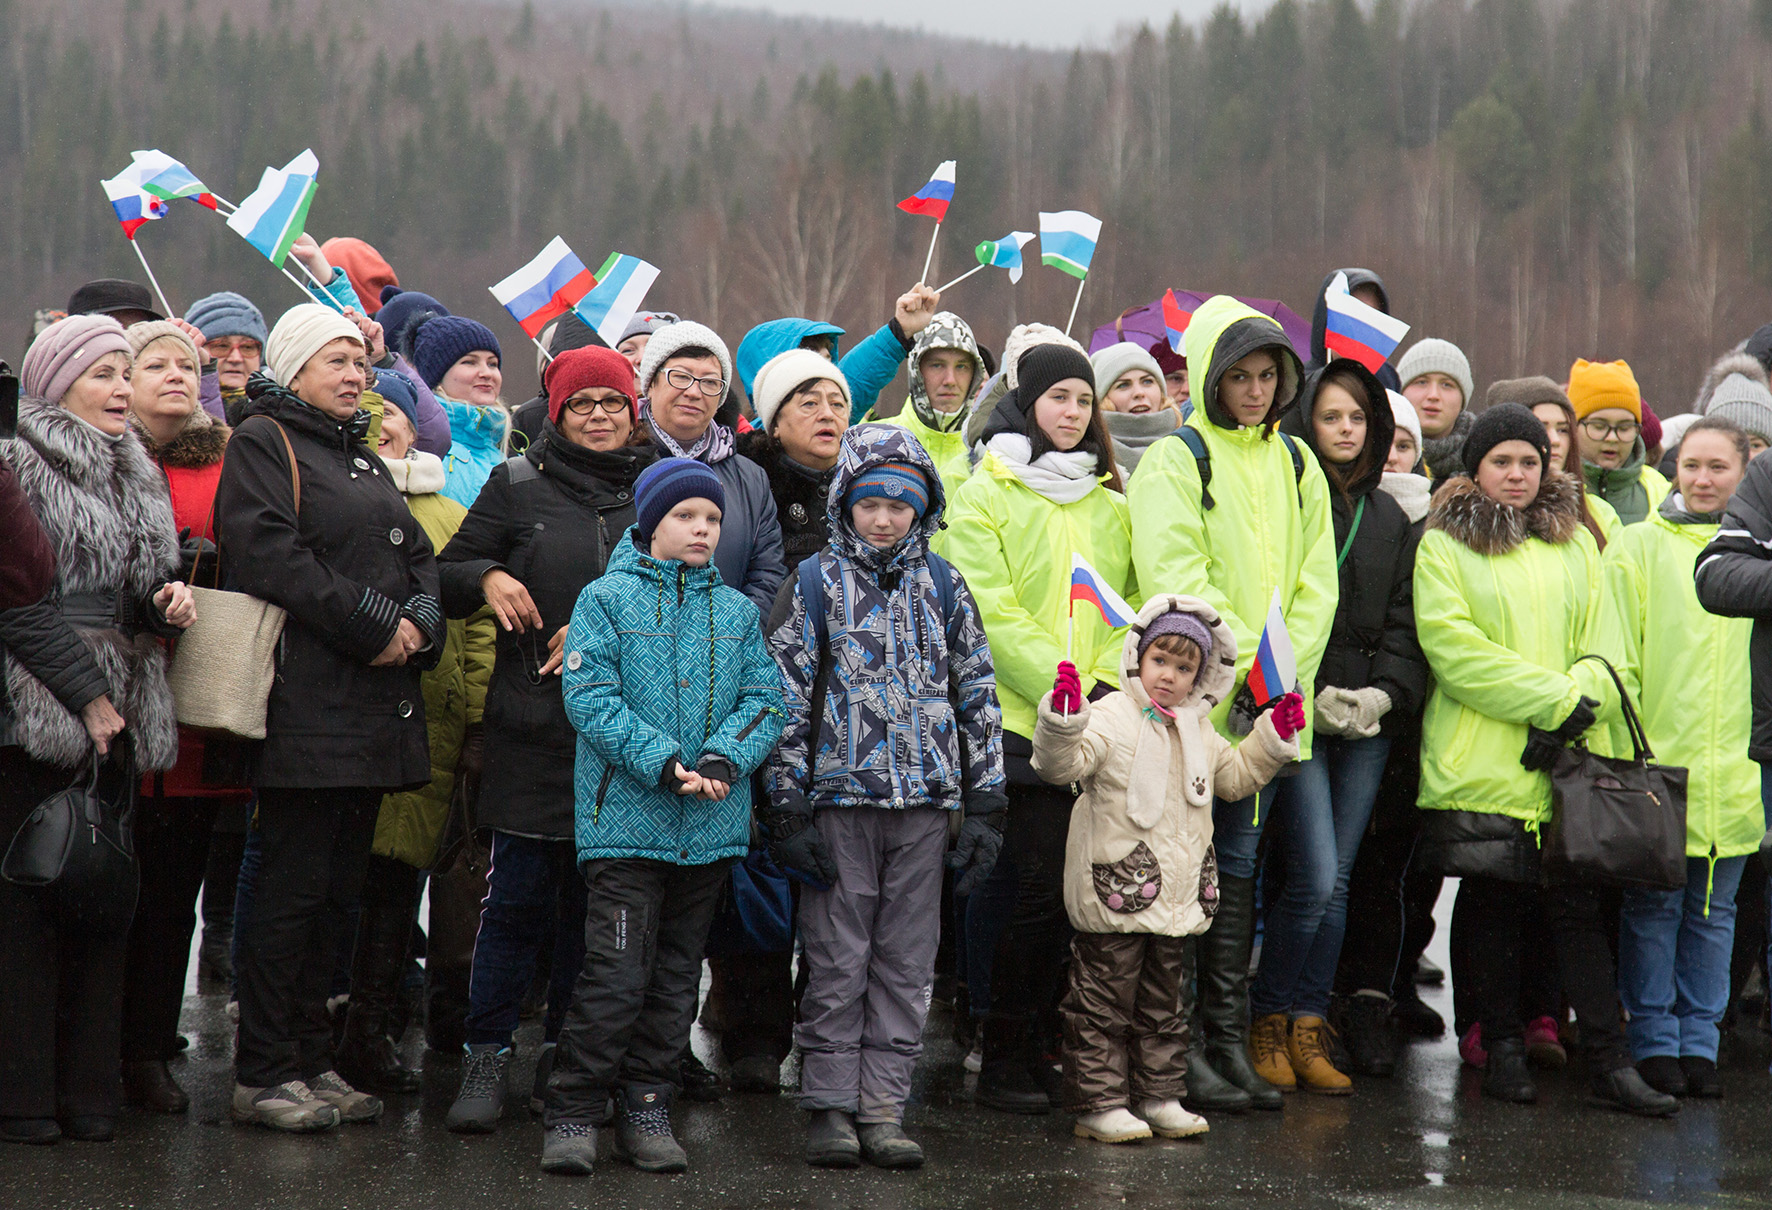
[(1502, 626), (1014, 547), (1688, 672), (1258, 536)]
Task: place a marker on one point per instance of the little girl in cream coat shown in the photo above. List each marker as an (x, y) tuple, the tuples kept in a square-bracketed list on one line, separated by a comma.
[(1139, 874)]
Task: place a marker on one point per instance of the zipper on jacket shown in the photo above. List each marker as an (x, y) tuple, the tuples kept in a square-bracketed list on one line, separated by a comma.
[(679, 585), (754, 723), (602, 789)]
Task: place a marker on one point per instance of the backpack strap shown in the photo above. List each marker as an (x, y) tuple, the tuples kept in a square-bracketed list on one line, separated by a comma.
[(1297, 466), (811, 580), (521, 469), (1196, 444)]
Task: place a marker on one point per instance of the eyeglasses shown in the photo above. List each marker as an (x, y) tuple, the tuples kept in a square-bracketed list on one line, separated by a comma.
[(615, 405), (711, 388), (1606, 430), (224, 348)]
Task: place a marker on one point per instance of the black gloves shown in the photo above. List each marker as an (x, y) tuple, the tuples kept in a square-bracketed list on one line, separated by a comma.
[(1542, 746), (980, 841), (799, 850)]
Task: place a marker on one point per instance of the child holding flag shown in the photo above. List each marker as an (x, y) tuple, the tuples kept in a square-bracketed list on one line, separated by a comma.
[(1139, 872)]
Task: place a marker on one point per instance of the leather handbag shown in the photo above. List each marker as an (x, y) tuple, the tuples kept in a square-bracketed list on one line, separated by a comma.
[(1614, 821), (74, 842), (224, 664)]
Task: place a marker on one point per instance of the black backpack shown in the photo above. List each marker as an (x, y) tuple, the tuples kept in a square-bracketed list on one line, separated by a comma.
[(1196, 445)]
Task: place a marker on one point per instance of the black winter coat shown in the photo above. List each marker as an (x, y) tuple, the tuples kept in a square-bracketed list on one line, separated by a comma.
[(1372, 642), (800, 497), (1477, 844), (555, 533), (1734, 575), (347, 570)]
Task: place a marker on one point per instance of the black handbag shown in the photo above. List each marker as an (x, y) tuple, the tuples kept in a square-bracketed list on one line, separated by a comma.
[(78, 845), (1617, 822)]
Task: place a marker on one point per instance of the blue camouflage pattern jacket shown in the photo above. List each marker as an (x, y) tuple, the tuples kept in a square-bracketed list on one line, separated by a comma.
[(889, 736)]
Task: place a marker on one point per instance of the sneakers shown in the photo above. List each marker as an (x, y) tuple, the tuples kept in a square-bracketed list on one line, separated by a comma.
[(1307, 1054), (885, 1145), (831, 1141), (1470, 1048), (1366, 1031), (538, 1088), (1543, 1047), (291, 1106), (1116, 1125), (482, 1098), (1170, 1120), (755, 1073), (644, 1136), (1268, 1051), (569, 1149), (352, 1106)]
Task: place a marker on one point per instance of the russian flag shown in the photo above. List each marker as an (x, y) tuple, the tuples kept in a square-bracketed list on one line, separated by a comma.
[(1175, 319), (1275, 671), (1005, 253), (133, 206), (1355, 330), (544, 289), (1088, 586), (167, 178), (932, 199), (621, 287)]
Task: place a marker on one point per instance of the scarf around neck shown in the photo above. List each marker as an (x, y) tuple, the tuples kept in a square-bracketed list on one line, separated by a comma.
[(1444, 456), (1134, 433), (1063, 478), (1414, 492), (715, 445)]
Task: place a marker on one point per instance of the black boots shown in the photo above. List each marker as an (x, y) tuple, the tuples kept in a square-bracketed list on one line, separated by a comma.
[(1223, 975), (1365, 1025), (1623, 1088), (367, 1058), (149, 1085), (1507, 1077), (1006, 1081)]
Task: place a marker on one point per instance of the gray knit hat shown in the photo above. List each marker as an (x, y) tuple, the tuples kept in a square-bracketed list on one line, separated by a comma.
[(1434, 356), (226, 313), (1746, 402)]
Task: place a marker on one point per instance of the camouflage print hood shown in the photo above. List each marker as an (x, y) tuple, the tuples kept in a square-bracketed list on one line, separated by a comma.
[(945, 331)]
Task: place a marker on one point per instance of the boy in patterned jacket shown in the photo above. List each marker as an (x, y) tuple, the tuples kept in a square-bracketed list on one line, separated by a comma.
[(893, 727)]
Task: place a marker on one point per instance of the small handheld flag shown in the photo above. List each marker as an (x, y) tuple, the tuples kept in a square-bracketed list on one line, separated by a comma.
[(168, 179), (273, 215), (1088, 586), (933, 198), (133, 205), (1356, 330), (620, 288), (544, 289), (1275, 671), (1005, 253), (1067, 240), (1175, 319)]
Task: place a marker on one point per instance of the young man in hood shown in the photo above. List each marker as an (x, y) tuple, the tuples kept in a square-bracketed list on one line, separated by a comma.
[(945, 372)]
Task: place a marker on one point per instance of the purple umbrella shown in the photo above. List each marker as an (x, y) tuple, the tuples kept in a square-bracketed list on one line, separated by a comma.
[(1143, 326)]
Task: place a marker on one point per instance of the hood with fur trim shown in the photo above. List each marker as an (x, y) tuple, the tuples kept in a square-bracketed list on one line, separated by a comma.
[(1491, 528), (945, 331), (201, 443)]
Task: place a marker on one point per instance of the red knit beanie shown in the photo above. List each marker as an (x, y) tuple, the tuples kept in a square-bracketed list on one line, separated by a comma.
[(591, 366)]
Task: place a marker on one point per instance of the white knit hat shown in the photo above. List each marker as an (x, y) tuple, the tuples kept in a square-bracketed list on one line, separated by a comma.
[(1114, 361), (1433, 356), (776, 379), (302, 332), (1404, 411), (684, 334)]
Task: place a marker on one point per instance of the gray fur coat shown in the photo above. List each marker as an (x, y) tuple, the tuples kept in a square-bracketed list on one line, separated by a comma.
[(105, 506)]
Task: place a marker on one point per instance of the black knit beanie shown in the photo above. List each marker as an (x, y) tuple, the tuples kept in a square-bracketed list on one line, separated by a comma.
[(1504, 422), (1044, 365), (1759, 346)]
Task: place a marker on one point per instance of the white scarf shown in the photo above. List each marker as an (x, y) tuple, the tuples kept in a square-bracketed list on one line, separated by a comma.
[(1063, 478), (417, 474), (1410, 490)]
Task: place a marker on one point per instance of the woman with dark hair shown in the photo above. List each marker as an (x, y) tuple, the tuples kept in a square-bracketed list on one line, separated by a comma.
[(1045, 487), (1371, 681), (1553, 409)]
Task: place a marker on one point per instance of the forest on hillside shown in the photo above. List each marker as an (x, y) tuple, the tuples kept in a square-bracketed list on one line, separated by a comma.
[(1535, 179)]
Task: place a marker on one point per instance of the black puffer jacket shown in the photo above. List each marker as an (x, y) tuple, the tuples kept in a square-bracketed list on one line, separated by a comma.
[(801, 497), (1373, 639), (554, 531), (1734, 576), (348, 569)]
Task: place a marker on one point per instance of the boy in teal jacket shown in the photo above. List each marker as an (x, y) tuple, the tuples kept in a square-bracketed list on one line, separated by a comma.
[(676, 701)]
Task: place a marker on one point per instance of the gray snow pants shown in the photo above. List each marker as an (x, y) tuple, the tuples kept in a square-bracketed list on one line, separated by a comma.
[(869, 948)]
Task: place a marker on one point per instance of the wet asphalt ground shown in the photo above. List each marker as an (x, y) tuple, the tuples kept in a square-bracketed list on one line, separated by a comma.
[(1425, 1139)]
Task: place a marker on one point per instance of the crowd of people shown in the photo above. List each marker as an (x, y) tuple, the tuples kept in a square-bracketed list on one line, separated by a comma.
[(715, 660)]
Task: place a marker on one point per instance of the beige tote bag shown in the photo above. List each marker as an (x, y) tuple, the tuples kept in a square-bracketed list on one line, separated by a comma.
[(223, 666)]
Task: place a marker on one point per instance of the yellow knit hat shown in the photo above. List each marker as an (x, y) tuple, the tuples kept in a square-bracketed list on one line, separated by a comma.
[(1604, 384)]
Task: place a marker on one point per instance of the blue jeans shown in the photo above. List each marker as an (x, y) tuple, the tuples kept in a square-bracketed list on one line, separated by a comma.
[(1236, 831), (533, 885), (1322, 814), (1673, 961)]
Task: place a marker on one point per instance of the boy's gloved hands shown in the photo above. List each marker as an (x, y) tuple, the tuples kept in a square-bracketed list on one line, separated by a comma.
[(1288, 714), (799, 850), (1067, 690), (980, 842)]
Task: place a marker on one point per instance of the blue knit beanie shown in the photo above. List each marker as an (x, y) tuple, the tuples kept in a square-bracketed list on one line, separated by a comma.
[(666, 484), (226, 313), (397, 391), (440, 342), (890, 481), (399, 308)]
